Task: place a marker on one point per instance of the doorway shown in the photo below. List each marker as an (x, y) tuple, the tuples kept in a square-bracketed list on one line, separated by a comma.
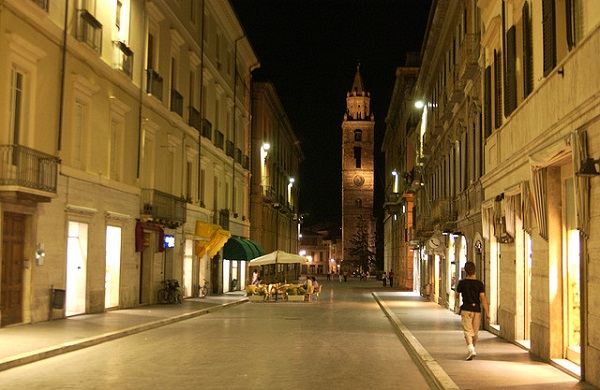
[(13, 255), (113, 267), (77, 253)]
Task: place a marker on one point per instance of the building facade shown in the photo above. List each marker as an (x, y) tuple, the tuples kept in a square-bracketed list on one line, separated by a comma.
[(506, 169), (319, 249), (124, 152), (358, 171), (276, 157), (401, 246)]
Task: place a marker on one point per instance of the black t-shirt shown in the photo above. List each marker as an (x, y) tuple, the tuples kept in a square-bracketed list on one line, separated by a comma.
[(470, 290)]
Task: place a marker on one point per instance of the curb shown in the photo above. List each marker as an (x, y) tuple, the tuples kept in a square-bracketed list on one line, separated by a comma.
[(45, 353), (426, 362)]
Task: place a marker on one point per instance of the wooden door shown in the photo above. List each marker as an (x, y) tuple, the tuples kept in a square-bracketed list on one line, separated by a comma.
[(13, 233)]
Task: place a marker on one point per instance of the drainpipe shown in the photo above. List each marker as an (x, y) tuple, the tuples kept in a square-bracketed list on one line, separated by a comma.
[(201, 104), (62, 79), (235, 77), (141, 91)]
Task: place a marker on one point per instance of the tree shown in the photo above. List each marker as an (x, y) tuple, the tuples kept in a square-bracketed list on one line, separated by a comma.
[(361, 246)]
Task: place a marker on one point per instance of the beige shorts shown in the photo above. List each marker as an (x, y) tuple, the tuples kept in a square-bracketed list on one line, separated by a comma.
[(471, 321)]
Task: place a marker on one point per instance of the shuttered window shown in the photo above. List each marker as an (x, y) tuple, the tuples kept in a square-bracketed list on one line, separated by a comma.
[(510, 76), (549, 30), (527, 51), (497, 89), (487, 101)]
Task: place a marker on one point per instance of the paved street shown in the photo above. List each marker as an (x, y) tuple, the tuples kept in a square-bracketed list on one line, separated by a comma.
[(358, 336), (343, 342)]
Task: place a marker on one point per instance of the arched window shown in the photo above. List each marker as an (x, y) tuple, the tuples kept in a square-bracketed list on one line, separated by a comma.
[(358, 135)]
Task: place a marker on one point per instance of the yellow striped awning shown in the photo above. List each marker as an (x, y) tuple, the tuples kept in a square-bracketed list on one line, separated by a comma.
[(213, 238)]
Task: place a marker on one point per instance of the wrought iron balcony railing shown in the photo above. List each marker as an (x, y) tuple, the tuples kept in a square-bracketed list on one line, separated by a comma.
[(25, 167), (123, 58), (154, 84), (229, 148), (207, 129), (176, 102), (194, 119), (219, 139), (89, 30), (221, 218), (163, 208), (43, 4)]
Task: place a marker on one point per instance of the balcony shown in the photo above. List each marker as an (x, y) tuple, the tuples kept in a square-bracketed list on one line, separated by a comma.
[(27, 173), (443, 211), (123, 58), (270, 195), (229, 149), (393, 203), (238, 156), (207, 129), (89, 30), (194, 119), (163, 208), (177, 102), (221, 218), (43, 4), (468, 57), (219, 139), (154, 84)]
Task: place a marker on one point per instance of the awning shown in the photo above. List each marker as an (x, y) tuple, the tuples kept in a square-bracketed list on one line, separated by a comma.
[(242, 249), (213, 238)]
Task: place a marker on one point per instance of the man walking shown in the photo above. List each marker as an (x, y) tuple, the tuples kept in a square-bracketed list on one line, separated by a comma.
[(473, 299)]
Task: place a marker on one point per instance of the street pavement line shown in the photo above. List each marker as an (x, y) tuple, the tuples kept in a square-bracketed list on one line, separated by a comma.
[(70, 346), (427, 362)]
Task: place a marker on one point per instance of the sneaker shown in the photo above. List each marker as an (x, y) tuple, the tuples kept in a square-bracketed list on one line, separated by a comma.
[(471, 353)]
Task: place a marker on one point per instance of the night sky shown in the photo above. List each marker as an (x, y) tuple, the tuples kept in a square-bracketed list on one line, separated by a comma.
[(309, 50)]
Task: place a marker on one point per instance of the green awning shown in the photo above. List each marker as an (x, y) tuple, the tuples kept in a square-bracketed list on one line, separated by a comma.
[(237, 248)]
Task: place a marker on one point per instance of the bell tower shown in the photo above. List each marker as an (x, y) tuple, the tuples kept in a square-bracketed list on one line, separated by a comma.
[(358, 167)]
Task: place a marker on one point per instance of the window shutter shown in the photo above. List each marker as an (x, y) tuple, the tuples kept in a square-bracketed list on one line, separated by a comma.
[(510, 77), (548, 14), (497, 89), (487, 101), (527, 51)]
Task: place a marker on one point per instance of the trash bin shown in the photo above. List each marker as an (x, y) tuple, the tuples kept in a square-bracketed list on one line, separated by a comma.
[(58, 298)]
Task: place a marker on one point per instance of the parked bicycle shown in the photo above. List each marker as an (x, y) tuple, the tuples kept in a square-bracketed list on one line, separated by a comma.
[(203, 290), (170, 293)]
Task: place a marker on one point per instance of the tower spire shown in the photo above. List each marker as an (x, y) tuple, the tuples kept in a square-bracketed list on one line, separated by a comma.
[(358, 86)]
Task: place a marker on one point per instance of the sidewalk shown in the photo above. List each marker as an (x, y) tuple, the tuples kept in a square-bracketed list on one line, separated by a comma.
[(28, 343), (431, 334), (434, 335)]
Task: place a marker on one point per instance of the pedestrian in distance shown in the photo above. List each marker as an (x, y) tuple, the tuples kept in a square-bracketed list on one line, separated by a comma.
[(384, 279), (473, 300), (391, 277)]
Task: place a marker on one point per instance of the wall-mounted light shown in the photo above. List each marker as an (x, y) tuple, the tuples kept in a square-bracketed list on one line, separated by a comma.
[(419, 104), (266, 146), (587, 168), (457, 234), (396, 184), (40, 254)]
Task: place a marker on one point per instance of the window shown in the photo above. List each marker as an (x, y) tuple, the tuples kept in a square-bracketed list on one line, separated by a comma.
[(358, 135), (549, 35), (527, 51), (510, 75), (357, 156), (114, 147), (16, 105), (118, 15)]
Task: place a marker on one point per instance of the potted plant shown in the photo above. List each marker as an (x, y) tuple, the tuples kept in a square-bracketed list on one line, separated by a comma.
[(295, 294)]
